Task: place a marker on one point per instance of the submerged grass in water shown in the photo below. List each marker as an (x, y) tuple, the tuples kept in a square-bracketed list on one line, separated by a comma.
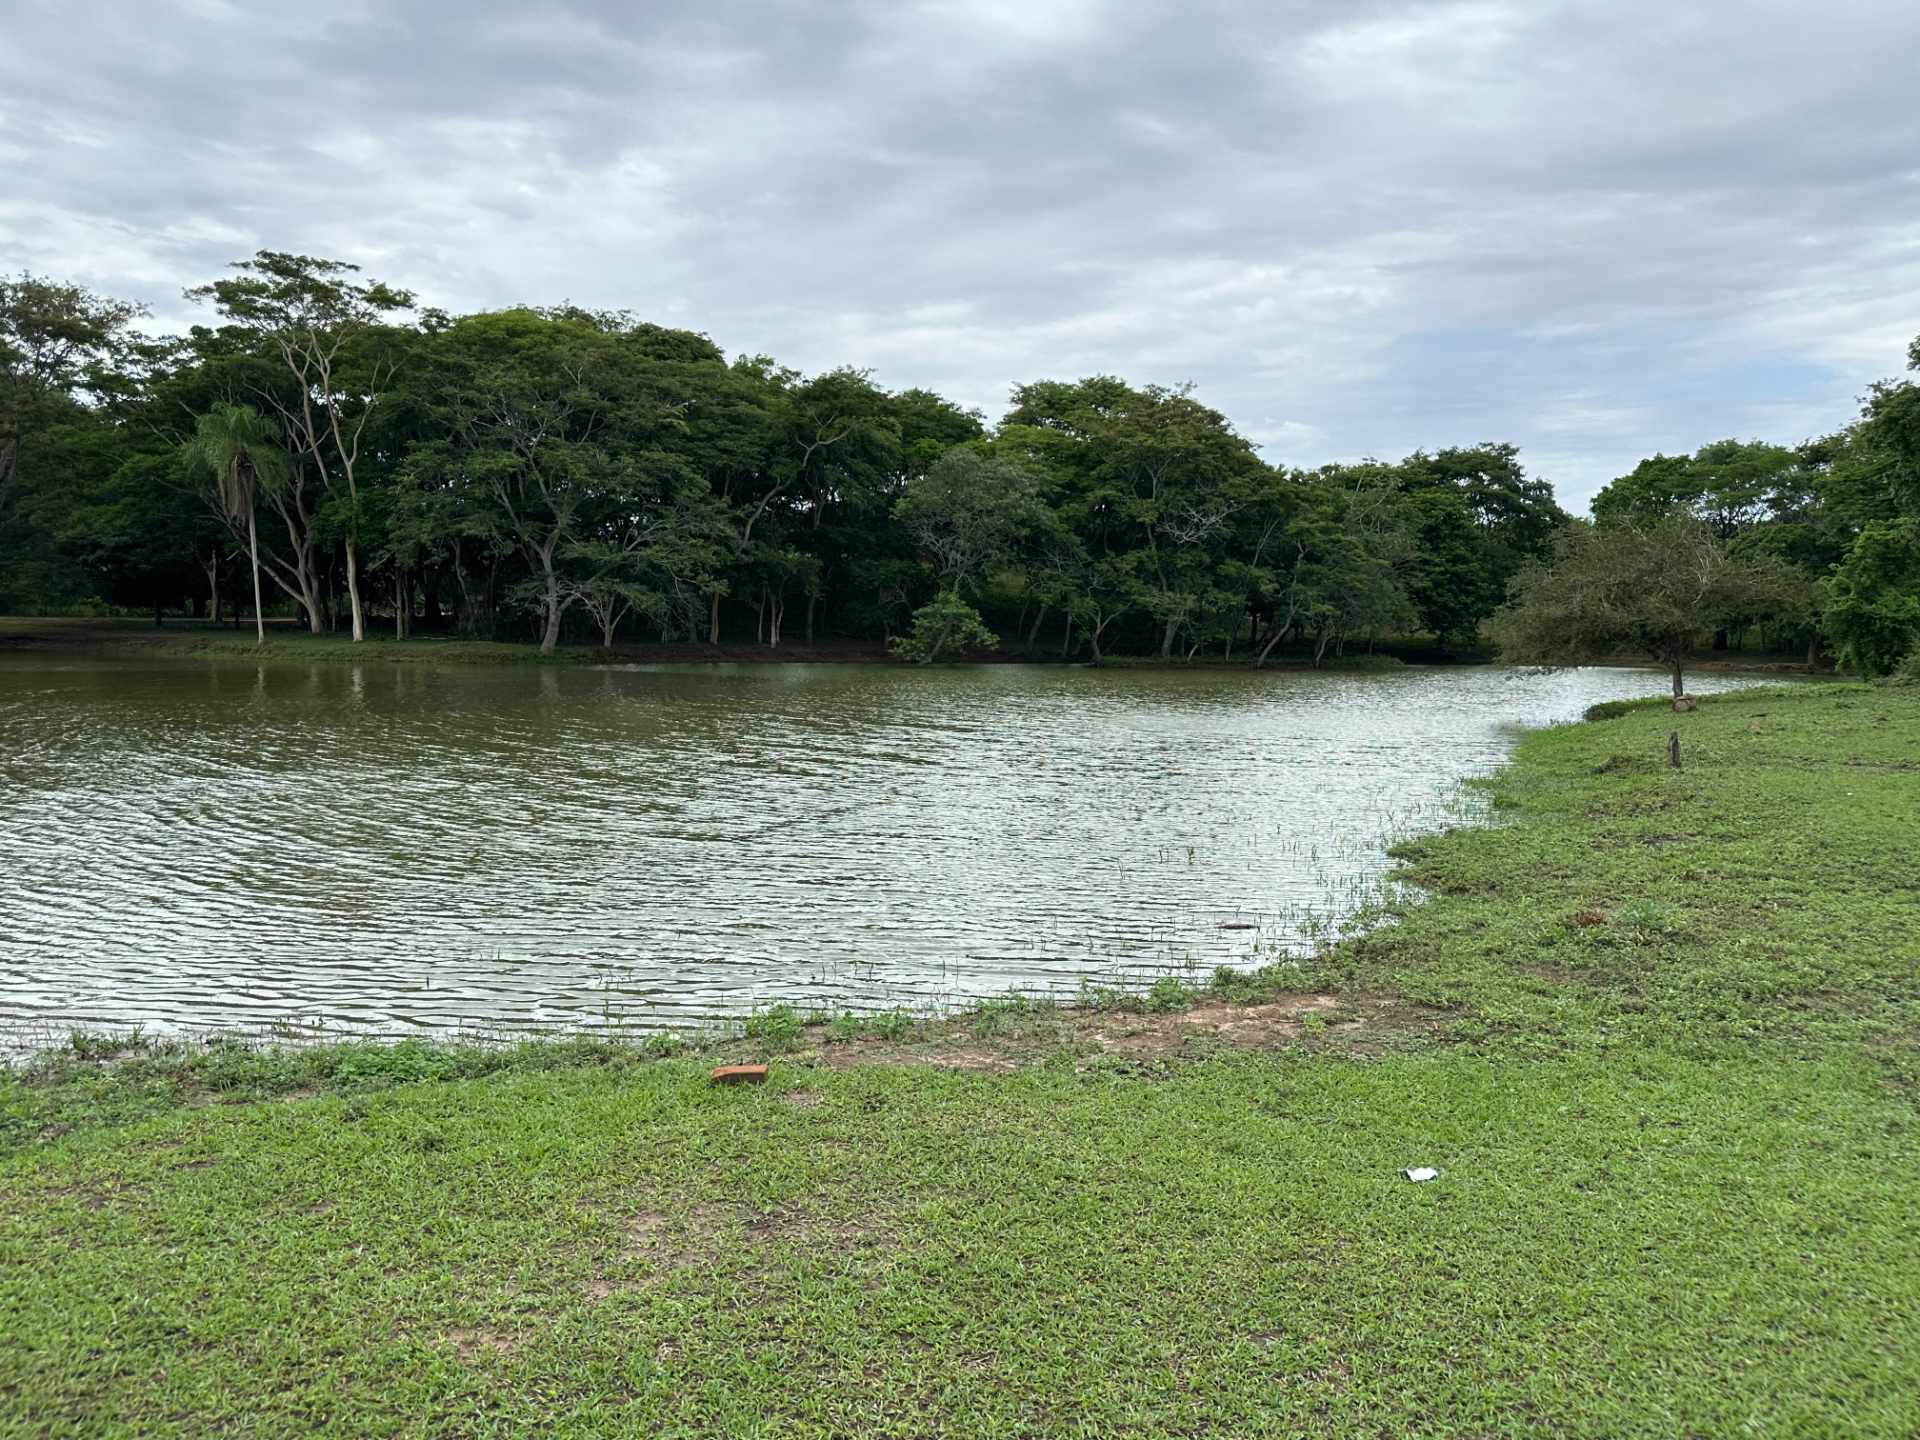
[(1666, 1061)]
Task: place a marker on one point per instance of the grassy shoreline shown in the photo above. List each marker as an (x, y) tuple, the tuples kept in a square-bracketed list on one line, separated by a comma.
[(1660, 1032)]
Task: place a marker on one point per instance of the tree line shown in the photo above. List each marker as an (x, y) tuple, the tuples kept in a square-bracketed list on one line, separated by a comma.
[(564, 474), (325, 448)]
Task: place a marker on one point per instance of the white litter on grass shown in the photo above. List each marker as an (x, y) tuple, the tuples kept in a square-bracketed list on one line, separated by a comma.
[(1420, 1174)]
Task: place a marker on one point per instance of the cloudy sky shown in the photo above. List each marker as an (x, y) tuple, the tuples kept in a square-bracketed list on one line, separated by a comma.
[(1595, 229)]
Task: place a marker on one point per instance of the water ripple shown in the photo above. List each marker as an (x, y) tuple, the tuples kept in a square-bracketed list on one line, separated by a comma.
[(396, 849)]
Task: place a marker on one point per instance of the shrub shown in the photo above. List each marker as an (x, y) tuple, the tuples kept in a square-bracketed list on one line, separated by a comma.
[(777, 1027), (946, 626), (894, 1025)]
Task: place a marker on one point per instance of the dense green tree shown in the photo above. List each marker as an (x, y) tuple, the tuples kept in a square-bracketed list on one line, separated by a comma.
[(63, 351), (1873, 598), (1476, 518), (1452, 587), (1147, 481), (559, 439)]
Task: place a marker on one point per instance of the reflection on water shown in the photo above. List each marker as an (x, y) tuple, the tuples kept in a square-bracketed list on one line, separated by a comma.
[(393, 848)]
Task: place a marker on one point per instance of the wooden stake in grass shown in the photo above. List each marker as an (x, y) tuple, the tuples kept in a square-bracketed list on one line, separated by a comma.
[(1673, 749)]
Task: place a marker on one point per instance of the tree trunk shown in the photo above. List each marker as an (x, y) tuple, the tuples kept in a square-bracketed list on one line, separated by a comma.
[(212, 567), (607, 622), (551, 636), (1673, 749), (1166, 639), (1720, 638), (1066, 640), (402, 604), (353, 592), (1033, 635), (253, 553), (713, 619), (1679, 680), (811, 597), (1273, 639), (157, 614)]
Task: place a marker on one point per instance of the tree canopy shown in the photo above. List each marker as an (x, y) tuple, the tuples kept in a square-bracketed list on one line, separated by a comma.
[(1641, 588)]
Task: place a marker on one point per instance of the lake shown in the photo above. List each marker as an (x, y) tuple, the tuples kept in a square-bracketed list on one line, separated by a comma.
[(391, 848)]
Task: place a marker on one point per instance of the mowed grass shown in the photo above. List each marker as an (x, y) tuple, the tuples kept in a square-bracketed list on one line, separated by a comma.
[(1668, 1071)]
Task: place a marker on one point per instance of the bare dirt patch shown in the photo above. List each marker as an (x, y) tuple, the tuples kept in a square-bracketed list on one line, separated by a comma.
[(946, 1052), (471, 1344), (1356, 1022), (101, 1194), (708, 1235)]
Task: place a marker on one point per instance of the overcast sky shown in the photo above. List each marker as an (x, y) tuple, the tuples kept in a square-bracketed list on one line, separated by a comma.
[(1595, 229)]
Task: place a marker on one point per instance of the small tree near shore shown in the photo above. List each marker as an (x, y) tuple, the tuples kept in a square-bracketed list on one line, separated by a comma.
[(1649, 589), (946, 626)]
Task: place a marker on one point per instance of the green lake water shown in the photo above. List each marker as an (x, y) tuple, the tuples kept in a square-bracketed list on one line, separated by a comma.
[(395, 848)]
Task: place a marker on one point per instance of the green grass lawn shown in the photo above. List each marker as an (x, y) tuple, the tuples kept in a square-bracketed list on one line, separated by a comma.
[(1659, 1031)]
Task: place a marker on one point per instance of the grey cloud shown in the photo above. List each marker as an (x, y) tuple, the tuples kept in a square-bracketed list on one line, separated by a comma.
[(1594, 228)]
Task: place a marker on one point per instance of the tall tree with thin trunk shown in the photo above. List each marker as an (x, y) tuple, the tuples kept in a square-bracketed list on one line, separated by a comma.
[(237, 446), (321, 322)]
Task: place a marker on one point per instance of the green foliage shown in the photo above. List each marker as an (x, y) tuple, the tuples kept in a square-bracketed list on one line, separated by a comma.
[(1873, 598), (1614, 709), (892, 1024), (967, 514), (777, 1028), (1452, 590), (65, 353), (1730, 485), (1012, 1016), (1645, 589), (946, 626), (1169, 994)]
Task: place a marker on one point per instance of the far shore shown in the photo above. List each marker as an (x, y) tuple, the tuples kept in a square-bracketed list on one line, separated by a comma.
[(186, 638)]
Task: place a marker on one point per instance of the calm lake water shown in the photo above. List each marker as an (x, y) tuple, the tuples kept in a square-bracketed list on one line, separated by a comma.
[(391, 848)]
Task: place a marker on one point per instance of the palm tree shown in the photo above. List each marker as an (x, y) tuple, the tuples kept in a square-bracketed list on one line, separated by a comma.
[(237, 445)]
